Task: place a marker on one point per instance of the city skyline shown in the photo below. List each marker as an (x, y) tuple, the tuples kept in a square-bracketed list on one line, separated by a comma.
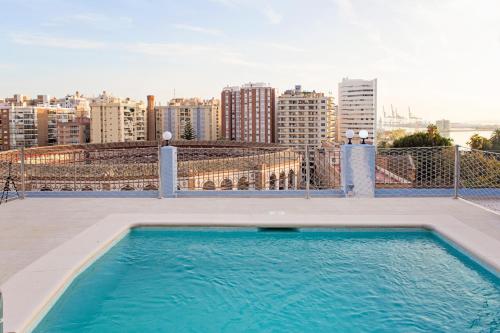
[(439, 58)]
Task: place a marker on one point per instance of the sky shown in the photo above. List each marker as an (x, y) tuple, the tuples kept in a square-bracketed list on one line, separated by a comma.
[(441, 58)]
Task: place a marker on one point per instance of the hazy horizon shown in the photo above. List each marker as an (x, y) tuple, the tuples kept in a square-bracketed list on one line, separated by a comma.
[(441, 58)]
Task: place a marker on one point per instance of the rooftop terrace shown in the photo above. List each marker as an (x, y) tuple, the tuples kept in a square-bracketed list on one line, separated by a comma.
[(77, 199), (30, 228)]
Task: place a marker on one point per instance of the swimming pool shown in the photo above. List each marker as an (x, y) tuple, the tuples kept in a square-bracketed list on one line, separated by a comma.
[(311, 280)]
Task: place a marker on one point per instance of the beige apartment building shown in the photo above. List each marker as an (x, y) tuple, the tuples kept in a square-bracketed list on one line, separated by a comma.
[(305, 118), (73, 131), (48, 119), (204, 116), (31, 126), (117, 120)]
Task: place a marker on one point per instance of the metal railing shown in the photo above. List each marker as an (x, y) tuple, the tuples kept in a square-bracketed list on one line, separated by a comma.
[(479, 177), (243, 169), (1, 312), (82, 169), (415, 168), (470, 174)]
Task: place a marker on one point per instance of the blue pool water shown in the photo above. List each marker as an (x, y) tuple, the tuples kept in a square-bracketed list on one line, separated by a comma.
[(206, 280)]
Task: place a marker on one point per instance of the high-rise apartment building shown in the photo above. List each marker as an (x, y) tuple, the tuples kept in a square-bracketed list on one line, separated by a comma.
[(248, 113), (74, 131), (77, 129), (23, 129), (47, 119), (4, 126), (357, 109), (37, 122), (18, 100), (117, 120), (78, 102), (204, 116), (304, 118)]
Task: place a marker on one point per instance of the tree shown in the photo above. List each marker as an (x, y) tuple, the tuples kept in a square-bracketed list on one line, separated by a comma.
[(431, 138), (432, 130), (386, 138), (495, 140), (188, 131), (432, 165), (479, 142)]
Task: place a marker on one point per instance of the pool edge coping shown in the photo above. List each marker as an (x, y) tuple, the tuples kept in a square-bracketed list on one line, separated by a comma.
[(30, 293)]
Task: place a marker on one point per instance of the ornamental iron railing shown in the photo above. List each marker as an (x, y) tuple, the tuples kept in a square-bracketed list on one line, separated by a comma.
[(82, 169)]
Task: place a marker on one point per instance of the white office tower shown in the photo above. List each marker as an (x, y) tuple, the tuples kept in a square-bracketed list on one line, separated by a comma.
[(357, 109)]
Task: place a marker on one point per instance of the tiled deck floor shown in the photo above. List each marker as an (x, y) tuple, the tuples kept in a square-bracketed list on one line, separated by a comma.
[(32, 227)]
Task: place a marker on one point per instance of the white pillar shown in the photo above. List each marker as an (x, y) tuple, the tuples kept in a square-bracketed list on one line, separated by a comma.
[(168, 171)]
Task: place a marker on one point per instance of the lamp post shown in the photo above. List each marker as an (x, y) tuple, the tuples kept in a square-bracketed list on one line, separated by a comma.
[(363, 134), (349, 135), (167, 136)]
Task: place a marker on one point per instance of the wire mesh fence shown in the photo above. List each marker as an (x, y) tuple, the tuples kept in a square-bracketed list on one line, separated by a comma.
[(241, 169), (479, 177), (415, 168)]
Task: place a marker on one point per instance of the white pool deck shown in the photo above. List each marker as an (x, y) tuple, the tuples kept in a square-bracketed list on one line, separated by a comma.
[(44, 243)]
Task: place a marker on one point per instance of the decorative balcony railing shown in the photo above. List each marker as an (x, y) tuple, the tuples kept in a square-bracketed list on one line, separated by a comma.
[(82, 168)]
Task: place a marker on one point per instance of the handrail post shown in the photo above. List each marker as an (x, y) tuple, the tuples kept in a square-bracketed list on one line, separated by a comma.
[(457, 172), (23, 176), (74, 171), (1, 312), (308, 173), (159, 169)]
